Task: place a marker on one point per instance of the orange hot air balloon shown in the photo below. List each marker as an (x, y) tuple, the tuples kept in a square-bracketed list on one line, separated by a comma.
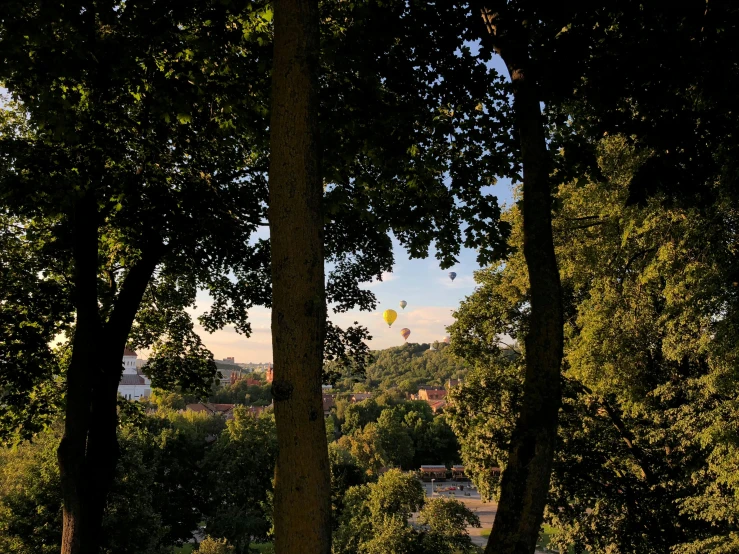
[(405, 333), (446, 340), (389, 316)]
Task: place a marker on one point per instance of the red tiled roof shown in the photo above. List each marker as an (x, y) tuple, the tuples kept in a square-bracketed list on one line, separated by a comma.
[(436, 405), (129, 352), (211, 408)]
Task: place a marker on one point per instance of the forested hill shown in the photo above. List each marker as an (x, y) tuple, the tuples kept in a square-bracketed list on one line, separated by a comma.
[(407, 366)]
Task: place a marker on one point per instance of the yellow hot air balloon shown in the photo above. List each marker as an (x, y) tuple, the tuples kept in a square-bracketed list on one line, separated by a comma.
[(405, 333), (389, 316)]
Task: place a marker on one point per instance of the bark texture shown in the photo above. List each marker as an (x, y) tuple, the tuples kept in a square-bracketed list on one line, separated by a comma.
[(302, 481), (525, 481)]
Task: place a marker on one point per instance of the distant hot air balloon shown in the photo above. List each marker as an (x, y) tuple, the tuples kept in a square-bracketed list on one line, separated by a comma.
[(405, 333), (389, 316), (452, 275), (446, 340), (403, 304)]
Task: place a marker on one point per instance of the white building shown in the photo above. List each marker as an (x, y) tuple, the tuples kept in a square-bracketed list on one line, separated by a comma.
[(134, 384)]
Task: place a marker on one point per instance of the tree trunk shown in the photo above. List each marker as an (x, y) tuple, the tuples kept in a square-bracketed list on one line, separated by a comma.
[(525, 481), (88, 452), (102, 444), (72, 449), (302, 484)]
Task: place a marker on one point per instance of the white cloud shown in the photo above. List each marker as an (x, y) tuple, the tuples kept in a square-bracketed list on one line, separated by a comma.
[(386, 278)]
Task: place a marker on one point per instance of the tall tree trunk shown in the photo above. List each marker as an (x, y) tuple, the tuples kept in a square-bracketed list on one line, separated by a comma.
[(88, 452), (525, 481), (302, 483), (72, 449), (102, 444)]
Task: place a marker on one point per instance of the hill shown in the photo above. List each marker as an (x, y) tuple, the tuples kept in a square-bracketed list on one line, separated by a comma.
[(407, 366)]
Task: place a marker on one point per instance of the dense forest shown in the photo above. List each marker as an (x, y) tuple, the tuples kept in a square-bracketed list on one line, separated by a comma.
[(405, 367)]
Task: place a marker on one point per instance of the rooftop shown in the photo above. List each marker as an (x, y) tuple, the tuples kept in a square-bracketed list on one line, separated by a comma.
[(130, 379)]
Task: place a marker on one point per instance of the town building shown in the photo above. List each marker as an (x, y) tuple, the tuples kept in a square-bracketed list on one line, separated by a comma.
[(458, 473), (134, 385), (436, 472), (433, 395), (429, 393), (437, 405), (225, 410), (228, 369), (328, 403)]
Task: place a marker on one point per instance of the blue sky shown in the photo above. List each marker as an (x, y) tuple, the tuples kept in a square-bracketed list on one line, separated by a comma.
[(431, 297)]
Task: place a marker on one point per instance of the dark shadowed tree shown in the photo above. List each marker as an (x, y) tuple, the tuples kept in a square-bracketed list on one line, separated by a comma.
[(302, 509)]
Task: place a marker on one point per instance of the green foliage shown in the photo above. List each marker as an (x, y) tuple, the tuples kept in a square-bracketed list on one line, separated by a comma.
[(210, 545), (30, 504), (33, 312), (242, 393), (175, 471), (387, 431), (375, 519), (647, 459), (239, 470), (405, 367), (446, 521), (481, 412), (346, 472), (377, 510)]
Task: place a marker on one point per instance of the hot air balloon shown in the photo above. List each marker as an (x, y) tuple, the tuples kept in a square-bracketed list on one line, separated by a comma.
[(403, 304), (389, 316), (446, 340), (405, 333), (452, 275)]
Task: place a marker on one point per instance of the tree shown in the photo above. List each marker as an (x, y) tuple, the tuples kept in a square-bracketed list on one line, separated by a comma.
[(375, 519), (239, 470), (366, 447), (395, 439), (215, 546), (640, 464), (302, 510), (446, 521), (505, 29), (375, 516), (138, 179), (30, 515), (346, 472)]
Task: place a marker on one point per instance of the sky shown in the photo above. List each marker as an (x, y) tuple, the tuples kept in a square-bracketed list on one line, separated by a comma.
[(430, 294), (431, 297)]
